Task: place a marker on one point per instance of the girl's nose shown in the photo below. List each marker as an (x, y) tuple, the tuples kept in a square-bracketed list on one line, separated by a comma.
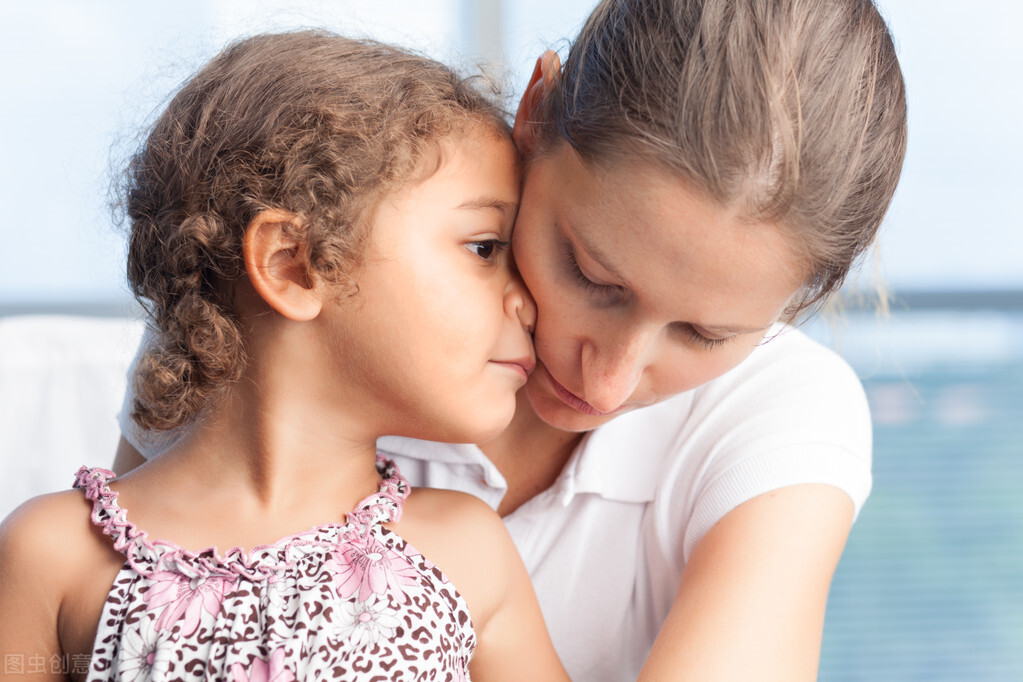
[(519, 302)]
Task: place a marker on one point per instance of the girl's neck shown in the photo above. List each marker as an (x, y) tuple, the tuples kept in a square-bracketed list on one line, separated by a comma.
[(530, 454), (279, 441), (250, 473)]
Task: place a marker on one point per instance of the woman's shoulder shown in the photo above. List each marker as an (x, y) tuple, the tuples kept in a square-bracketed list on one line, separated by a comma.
[(791, 374), (790, 351)]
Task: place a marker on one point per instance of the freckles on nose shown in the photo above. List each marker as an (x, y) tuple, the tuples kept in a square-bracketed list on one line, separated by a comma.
[(610, 377)]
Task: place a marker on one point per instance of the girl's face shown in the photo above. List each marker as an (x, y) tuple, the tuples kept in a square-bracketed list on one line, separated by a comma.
[(436, 343), (643, 287)]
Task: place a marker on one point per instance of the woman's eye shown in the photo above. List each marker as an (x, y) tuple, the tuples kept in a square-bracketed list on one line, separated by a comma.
[(605, 290), (699, 339), (488, 249)]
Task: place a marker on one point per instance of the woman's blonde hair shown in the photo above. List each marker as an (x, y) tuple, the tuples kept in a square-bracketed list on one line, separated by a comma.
[(792, 110), (309, 122)]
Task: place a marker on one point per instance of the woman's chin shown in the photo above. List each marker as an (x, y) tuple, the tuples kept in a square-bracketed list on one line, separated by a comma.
[(555, 413)]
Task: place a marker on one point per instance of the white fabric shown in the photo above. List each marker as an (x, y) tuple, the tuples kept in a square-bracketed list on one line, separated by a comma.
[(606, 544), (61, 382)]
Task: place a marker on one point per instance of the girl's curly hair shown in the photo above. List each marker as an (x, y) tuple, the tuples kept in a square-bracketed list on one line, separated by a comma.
[(308, 122)]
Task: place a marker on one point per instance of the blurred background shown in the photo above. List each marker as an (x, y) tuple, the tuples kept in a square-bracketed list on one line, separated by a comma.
[(931, 585)]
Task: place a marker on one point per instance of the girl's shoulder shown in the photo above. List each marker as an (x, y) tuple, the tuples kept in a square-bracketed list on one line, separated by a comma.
[(51, 538), (467, 540), (449, 521), (52, 557), (46, 531)]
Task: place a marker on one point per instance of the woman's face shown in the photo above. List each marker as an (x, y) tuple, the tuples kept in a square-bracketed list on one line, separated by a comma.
[(644, 288)]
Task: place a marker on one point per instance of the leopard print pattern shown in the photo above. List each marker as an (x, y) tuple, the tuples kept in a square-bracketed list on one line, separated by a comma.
[(350, 601)]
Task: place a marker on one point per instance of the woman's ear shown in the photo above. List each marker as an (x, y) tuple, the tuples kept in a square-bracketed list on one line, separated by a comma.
[(527, 118), (277, 263)]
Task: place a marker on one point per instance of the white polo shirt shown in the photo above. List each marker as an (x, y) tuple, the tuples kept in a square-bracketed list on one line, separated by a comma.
[(607, 543)]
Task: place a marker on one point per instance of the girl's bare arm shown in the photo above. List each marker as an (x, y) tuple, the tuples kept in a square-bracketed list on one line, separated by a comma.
[(514, 643), (468, 541), (31, 592)]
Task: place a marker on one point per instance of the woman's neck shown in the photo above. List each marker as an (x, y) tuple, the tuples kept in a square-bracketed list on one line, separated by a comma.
[(530, 454)]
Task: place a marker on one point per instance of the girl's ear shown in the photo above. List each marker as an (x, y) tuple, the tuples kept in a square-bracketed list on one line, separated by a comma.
[(527, 118), (277, 263)]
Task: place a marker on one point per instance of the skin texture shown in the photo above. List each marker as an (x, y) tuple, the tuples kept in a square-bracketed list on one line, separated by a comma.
[(680, 291), (294, 440)]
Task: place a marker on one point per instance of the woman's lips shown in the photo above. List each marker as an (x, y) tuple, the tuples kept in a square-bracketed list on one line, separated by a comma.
[(572, 400)]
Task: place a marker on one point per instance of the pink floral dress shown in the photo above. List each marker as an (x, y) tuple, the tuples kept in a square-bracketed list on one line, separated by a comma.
[(350, 601)]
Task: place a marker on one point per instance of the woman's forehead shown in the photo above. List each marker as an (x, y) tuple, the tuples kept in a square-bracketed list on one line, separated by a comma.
[(648, 228)]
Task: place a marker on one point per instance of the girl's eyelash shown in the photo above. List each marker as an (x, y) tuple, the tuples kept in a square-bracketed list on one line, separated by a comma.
[(496, 247)]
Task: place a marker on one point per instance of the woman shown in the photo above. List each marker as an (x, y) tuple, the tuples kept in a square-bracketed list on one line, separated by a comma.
[(683, 468)]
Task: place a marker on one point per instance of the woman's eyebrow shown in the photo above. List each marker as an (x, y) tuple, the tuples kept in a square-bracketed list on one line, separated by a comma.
[(594, 252), (597, 255), (729, 329)]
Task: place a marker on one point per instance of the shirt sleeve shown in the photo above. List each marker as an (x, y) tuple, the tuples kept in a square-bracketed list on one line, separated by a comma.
[(149, 443), (793, 413)]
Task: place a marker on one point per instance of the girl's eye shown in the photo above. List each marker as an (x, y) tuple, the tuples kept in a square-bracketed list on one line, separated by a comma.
[(488, 249)]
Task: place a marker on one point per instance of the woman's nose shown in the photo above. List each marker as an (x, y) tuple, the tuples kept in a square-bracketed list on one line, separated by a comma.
[(612, 369)]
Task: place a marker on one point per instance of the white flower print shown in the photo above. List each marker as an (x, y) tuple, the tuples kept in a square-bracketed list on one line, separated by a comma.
[(365, 623), (281, 592), (140, 659)]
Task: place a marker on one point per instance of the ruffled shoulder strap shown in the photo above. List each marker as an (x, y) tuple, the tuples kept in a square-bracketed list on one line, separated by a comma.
[(112, 520), (146, 557), (386, 504)]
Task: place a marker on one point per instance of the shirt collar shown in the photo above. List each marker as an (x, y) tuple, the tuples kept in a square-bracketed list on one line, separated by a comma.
[(624, 460)]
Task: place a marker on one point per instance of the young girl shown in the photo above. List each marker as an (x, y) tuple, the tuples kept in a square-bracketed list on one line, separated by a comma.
[(319, 230)]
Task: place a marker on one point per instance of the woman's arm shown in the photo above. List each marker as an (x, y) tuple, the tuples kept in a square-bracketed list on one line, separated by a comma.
[(751, 602)]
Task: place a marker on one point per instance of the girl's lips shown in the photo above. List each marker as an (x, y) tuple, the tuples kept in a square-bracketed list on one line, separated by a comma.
[(572, 400), (523, 365)]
